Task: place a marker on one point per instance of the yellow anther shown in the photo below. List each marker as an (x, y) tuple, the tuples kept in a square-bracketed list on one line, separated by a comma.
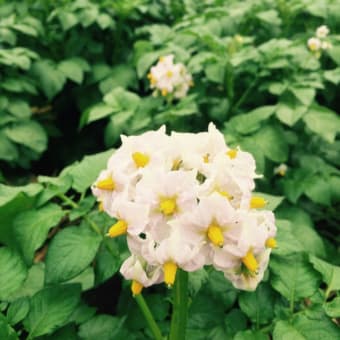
[(169, 269), (136, 287), (101, 206), (225, 194), (106, 184), (176, 164), (191, 83), (161, 59), (232, 153), (169, 74), (149, 76), (140, 159), (168, 206), (250, 262), (206, 158), (215, 235), (119, 228), (257, 202), (164, 92), (271, 243)]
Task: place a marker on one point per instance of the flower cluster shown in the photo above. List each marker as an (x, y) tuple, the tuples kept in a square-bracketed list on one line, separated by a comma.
[(319, 42), (185, 201), (169, 79)]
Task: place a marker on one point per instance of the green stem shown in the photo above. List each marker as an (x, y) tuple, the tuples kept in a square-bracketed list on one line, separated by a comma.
[(180, 307), (148, 317)]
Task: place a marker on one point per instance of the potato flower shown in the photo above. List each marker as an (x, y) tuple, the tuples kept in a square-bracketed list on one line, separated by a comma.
[(185, 201)]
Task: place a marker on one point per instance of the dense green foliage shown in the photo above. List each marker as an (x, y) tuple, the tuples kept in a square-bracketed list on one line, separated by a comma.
[(73, 78)]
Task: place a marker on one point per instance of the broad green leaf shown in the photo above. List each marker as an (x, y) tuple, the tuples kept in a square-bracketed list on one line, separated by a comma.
[(104, 21), (67, 19), (332, 308), (251, 335), (302, 231), (304, 94), (69, 253), (323, 122), (293, 276), (329, 272), (68, 332), (271, 140), (19, 108), (215, 72), (82, 313), (33, 283), (234, 322), (289, 112), (51, 308), (318, 189), (18, 310), (107, 264), (196, 280), (258, 305), (101, 327), (96, 112), (270, 17), (8, 150), (31, 228), (251, 121), (313, 325), (6, 331), (13, 272), (51, 79), (146, 61), (85, 172), (28, 133), (72, 69)]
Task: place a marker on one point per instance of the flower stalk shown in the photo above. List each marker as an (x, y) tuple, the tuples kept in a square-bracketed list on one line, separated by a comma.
[(180, 306)]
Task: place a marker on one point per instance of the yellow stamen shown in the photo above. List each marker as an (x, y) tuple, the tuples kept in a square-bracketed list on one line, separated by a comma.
[(176, 164), (282, 172), (169, 269), (168, 206), (161, 59), (232, 153), (206, 158), (136, 287), (250, 262), (164, 92), (225, 194), (271, 243), (169, 74), (257, 202), (191, 83), (106, 184), (149, 76), (140, 159), (101, 206), (215, 235), (119, 228)]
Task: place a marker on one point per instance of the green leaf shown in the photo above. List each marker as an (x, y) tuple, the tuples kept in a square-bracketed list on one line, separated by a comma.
[(33, 283), (293, 276), (301, 230), (70, 252), (289, 112), (215, 72), (51, 308), (104, 21), (18, 310), (235, 321), (84, 173), (332, 308), (13, 272), (101, 327), (271, 140), (196, 280), (318, 189), (145, 62), (304, 94), (82, 313), (19, 108), (270, 17), (51, 79), (251, 335), (73, 69), (6, 331), (98, 111), (323, 122), (31, 228), (311, 325), (252, 121), (329, 272), (67, 19), (258, 305), (28, 133), (106, 263), (8, 151)]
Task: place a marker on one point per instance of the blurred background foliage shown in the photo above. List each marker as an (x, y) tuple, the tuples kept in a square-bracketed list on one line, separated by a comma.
[(73, 78)]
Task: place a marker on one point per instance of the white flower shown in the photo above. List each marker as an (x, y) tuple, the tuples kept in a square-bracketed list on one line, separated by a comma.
[(314, 44), (281, 169), (322, 31), (326, 45), (169, 79)]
